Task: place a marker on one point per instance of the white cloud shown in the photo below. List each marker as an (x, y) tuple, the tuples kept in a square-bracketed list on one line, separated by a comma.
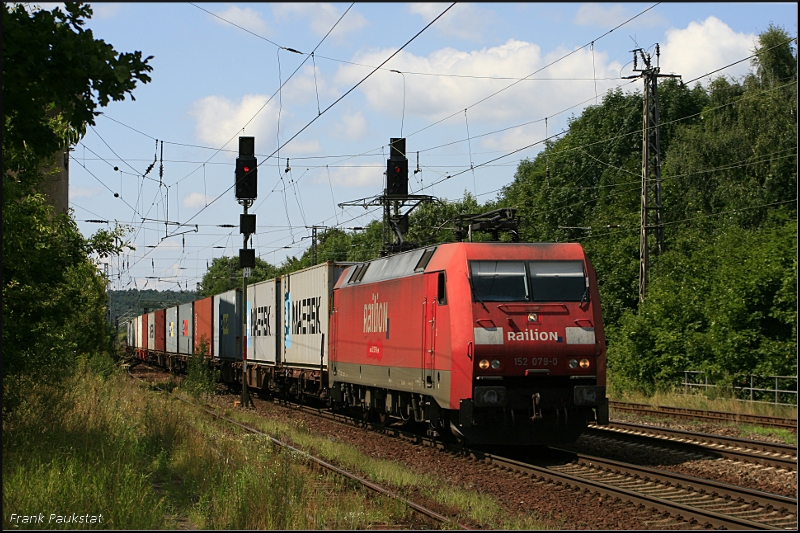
[(353, 127), (515, 138), (322, 17), (196, 200), (370, 176), (705, 46), (105, 10), (246, 18), (436, 97), (298, 146), (218, 120), (612, 15), (83, 192), (465, 21)]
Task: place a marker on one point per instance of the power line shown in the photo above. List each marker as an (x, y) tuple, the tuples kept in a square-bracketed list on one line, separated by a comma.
[(540, 69), (278, 91), (338, 100)]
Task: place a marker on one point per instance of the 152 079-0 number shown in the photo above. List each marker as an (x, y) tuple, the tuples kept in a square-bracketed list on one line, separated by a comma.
[(535, 361)]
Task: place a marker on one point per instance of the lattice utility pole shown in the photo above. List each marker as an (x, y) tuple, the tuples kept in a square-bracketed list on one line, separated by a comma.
[(314, 242), (651, 228)]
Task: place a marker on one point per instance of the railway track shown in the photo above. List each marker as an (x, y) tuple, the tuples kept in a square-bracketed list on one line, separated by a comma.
[(665, 498), (684, 499), (698, 501), (699, 414), (444, 520), (745, 450)]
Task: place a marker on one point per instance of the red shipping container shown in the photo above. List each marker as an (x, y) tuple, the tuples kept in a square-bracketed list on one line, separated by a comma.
[(203, 321), (161, 331), (144, 333)]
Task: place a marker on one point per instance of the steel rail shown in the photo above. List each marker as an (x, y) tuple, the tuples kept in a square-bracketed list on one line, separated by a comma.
[(365, 482), (639, 485), (706, 493), (694, 414), (664, 491), (369, 484), (750, 451)]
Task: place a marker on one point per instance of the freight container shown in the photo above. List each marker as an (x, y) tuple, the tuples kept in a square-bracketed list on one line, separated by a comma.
[(263, 339), (203, 321), (132, 333), (227, 309), (185, 328), (151, 331), (161, 339), (143, 333), (172, 330), (306, 296), (137, 334)]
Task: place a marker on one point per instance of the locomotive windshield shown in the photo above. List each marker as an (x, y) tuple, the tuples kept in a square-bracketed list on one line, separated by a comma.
[(499, 281), (558, 281), (537, 281)]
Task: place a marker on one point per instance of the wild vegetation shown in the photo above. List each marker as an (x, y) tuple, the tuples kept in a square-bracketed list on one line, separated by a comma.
[(722, 298), (133, 302), (55, 76), (79, 437), (110, 446)]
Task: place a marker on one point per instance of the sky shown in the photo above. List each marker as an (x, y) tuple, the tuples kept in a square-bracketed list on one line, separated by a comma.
[(474, 92)]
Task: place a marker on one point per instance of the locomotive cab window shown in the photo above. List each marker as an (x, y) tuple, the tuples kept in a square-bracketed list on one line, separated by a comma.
[(499, 281), (558, 281), (441, 295)]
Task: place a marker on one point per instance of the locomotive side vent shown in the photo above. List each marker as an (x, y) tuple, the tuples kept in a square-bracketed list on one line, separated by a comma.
[(424, 260)]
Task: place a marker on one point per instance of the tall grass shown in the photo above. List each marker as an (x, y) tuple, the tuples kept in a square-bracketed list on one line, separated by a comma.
[(101, 444), (463, 504), (716, 402), (78, 448)]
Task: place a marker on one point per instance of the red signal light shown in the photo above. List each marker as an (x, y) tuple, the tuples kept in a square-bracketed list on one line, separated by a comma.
[(246, 169), (397, 170)]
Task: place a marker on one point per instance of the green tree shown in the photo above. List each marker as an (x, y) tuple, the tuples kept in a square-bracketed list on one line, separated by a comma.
[(776, 59), (224, 274), (433, 223), (728, 306), (55, 74)]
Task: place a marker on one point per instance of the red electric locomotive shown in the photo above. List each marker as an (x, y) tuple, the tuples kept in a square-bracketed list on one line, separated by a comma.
[(498, 343)]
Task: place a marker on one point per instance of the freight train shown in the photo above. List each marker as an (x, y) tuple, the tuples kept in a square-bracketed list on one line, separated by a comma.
[(492, 343)]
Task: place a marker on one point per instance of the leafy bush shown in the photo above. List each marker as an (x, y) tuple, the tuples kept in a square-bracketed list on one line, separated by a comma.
[(201, 376)]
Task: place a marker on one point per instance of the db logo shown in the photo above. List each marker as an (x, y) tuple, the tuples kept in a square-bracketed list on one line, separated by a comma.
[(375, 350)]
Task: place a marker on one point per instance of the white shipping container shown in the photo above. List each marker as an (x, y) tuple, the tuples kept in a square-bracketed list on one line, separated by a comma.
[(132, 333), (263, 308), (172, 330), (151, 331), (138, 343), (306, 296), (227, 312), (185, 327)]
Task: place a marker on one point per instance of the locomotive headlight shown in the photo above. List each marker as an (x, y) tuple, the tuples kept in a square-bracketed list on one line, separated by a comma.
[(484, 364), (584, 363), (495, 364), (573, 363)]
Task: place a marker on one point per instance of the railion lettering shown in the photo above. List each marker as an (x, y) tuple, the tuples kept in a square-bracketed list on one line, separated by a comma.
[(375, 315)]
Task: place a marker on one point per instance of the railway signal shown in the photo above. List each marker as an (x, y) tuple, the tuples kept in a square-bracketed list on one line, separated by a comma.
[(246, 192), (246, 170), (397, 168)]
